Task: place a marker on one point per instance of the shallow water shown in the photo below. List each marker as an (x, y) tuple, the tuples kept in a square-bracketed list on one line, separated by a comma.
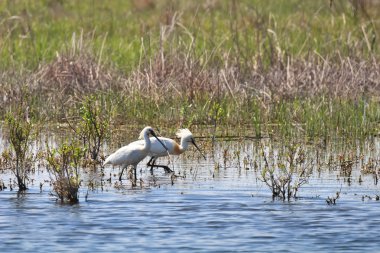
[(207, 211)]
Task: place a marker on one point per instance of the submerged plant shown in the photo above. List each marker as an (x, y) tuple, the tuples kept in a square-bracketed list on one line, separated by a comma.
[(63, 166), (286, 175), (332, 200)]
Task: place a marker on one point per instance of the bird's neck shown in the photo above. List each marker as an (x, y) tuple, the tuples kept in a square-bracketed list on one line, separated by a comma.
[(147, 142), (184, 145)]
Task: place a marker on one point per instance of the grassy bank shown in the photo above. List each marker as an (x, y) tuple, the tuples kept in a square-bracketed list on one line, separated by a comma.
[(283, 68), (130, 31)]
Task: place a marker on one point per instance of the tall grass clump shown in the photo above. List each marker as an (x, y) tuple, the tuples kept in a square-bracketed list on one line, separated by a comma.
[(63, 166), (323, 117)]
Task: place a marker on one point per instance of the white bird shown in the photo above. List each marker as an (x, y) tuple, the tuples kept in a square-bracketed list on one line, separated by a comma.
[(134, 152), (173, 148)]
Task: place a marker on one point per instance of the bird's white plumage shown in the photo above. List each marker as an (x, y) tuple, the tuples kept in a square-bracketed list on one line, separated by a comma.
[(141, 135), (131, 154), (184, 133), (157, 150), (155, 147)]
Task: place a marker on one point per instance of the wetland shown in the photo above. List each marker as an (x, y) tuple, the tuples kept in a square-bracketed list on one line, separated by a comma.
[(282, 97)]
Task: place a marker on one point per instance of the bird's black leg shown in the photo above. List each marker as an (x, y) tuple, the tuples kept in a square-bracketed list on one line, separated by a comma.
[(121, 173), (135, 179), (166, 168), (151, 164)]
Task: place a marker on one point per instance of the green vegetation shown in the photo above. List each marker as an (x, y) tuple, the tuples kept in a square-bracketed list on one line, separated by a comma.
[(280, 68), (63, 165), (94, 125), (127, 32), (19, 158)]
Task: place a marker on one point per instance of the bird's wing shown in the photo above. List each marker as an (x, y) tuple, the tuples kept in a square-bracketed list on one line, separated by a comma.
[(157, 149), (127, 155)]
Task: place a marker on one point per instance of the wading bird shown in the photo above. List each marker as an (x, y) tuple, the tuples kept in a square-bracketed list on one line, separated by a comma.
[(173, 148), (134, 152)]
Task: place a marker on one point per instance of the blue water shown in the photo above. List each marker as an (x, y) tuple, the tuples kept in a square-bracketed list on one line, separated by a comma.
[(228, 210)]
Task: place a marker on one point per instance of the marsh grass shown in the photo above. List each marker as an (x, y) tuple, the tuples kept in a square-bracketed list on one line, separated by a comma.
[(289, 111), (239, 28), (294, 69), (75, 70)]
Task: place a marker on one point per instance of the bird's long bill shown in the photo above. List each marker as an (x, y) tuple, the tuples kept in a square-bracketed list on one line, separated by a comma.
[(155, 136), (192, 141)]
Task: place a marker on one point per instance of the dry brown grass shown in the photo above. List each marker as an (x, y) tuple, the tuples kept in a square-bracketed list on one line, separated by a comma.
[(178, 77), (184, 77), (299, 78), (74, 71), (71, 76)]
